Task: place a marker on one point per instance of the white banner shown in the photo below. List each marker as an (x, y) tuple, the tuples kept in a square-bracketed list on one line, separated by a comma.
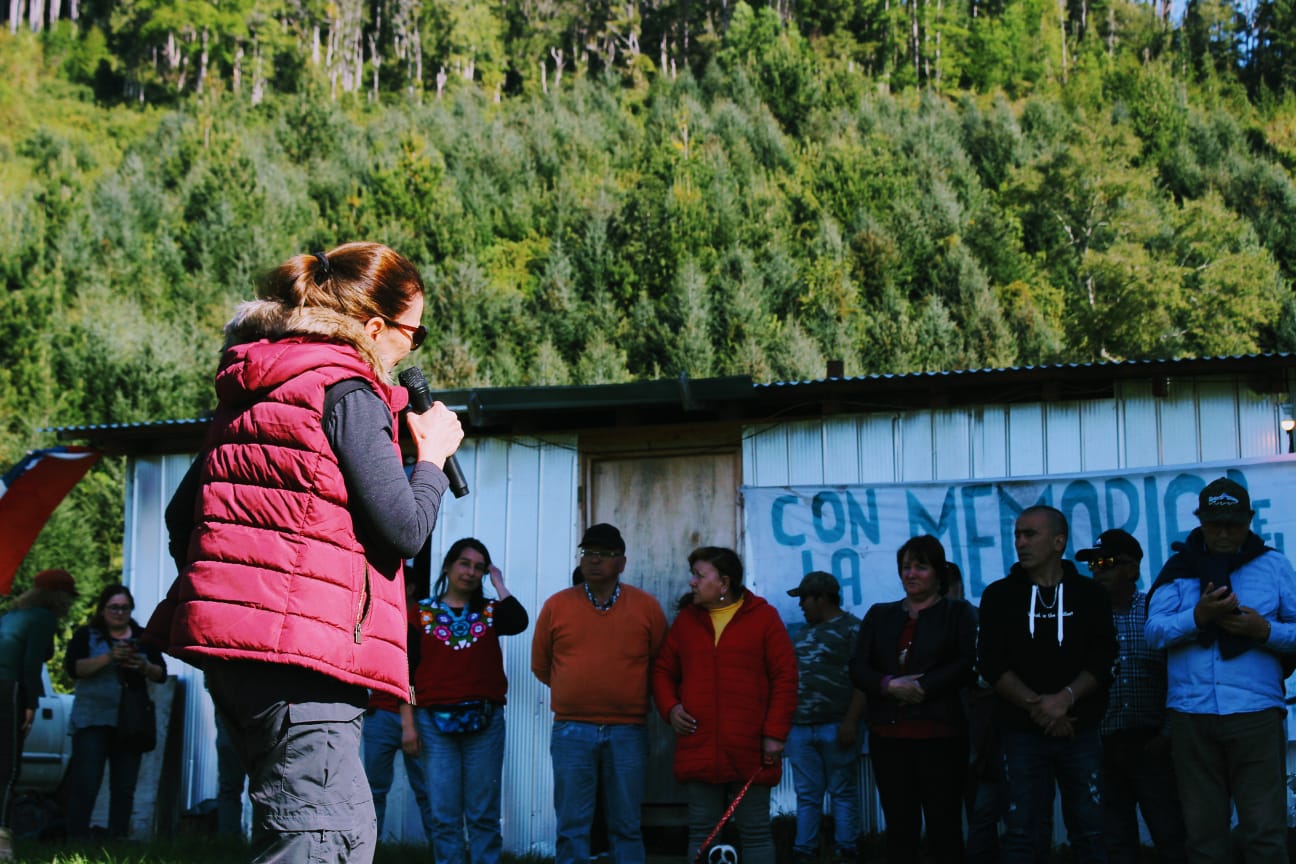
[(854, 532)]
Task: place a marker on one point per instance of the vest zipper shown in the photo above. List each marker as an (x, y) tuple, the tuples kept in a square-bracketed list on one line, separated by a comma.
[(364, 606)]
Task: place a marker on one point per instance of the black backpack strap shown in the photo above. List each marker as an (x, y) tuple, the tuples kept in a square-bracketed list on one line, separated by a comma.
[(336, 392)]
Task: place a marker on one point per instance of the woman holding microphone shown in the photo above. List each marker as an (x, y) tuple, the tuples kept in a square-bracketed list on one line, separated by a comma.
[(290, 532)]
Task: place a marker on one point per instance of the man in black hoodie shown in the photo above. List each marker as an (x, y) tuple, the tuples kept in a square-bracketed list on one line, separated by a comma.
[(1047, 645)]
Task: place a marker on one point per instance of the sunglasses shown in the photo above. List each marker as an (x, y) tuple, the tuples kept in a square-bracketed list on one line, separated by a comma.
[(1098, 565), (417, 334)]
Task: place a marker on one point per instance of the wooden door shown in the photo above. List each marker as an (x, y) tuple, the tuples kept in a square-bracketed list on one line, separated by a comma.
[(668, 496)]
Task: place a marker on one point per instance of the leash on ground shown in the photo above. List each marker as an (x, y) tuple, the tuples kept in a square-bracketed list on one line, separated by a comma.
[(733, 805)]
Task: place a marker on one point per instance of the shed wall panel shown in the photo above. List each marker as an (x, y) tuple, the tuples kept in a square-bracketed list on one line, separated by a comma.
[(951, 445), (1140, 422), (841, 450), (915, 446), (1099, 436), (878, 445), (522, 505), (1259, 429), (1181, 437), (1218, 420), (1063, 452), (1025, 443)]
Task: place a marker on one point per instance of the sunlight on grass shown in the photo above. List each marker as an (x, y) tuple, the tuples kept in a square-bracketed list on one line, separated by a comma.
[(195, 850)]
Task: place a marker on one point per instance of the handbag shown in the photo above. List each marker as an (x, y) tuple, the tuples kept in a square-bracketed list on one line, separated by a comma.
[(136, 730), (462, 718)]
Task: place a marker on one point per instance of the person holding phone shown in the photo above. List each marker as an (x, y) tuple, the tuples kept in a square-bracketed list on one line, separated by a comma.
[(104, 656), (1224, 609)]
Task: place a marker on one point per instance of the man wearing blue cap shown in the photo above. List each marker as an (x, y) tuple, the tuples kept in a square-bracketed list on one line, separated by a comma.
[(1224, 608)]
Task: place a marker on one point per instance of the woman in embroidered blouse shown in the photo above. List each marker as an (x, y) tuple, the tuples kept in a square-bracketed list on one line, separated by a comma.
[(459, 686), (913, 659), (102, 657)]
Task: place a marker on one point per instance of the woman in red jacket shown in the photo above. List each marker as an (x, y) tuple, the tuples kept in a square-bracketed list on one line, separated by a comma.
[(726, 681)]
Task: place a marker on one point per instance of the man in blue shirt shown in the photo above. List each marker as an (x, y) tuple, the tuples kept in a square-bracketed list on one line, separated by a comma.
[(1224, 607)]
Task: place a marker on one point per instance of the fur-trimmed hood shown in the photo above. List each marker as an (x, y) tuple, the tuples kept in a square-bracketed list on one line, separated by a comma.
[(269, 319)]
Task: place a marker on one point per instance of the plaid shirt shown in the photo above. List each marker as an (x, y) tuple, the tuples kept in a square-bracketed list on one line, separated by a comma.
[(1138, 693)]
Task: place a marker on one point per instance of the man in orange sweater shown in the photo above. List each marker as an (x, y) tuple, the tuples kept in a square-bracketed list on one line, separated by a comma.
[(594, 645)]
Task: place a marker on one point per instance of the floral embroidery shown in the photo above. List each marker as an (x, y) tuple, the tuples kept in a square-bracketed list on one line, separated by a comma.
[(457, 629)]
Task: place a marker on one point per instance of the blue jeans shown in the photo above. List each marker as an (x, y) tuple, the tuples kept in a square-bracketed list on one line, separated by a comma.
[(92, 749), (583, 754), (1033, 763), (230, 779), (464, 774), (820, 765), (381, 740)]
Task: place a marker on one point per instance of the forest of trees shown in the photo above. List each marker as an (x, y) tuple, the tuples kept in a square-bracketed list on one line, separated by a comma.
[(626, 189)]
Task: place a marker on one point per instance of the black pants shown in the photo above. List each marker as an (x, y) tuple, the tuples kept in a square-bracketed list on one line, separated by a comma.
[(11, 745), (917, 778)]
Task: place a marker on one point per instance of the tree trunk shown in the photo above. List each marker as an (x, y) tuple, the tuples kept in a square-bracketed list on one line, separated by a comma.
[(55, 10), (202, 60), (376, 59), (258, 79), (15, 15), (34, 10), (1062, 33)]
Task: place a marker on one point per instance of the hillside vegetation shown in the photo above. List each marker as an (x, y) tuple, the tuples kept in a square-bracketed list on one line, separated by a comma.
[(609, 191)]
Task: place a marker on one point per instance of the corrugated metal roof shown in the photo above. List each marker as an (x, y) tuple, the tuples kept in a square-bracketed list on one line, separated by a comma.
[(1280, 358), (737, 399)]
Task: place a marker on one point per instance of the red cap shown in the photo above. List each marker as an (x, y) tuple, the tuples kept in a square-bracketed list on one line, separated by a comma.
[(55, 580)]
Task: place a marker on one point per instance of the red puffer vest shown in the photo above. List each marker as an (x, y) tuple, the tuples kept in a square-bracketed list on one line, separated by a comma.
[(275, 571), (739, 691)]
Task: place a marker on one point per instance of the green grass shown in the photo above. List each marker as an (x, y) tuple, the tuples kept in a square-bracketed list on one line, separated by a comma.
[(191, 850)]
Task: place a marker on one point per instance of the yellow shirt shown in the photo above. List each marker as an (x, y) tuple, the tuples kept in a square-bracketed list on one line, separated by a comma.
[(721, 617)]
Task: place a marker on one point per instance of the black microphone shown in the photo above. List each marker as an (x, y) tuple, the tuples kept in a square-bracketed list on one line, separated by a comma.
[(420, 400)]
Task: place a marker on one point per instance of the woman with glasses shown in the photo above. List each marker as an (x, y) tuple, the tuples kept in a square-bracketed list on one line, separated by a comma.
[(290, 532), (460, 689), (104, 657), (726, 682), (913, 659)]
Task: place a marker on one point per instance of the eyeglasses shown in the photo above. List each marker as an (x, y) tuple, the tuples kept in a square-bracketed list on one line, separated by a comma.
[(1098, 565), (117, 607), (417, 334), (594, 556)]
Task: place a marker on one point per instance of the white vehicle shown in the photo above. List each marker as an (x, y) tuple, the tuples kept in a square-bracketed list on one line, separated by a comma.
[(48, 745)]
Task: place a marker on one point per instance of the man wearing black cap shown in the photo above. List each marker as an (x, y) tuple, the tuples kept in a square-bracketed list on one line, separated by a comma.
[(594, 645), (823, 746), (1137, 771), (1224, 608)]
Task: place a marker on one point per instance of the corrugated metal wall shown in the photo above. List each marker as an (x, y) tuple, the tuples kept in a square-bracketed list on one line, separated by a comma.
[(1201, 421), (1198, 421), (522, 505)]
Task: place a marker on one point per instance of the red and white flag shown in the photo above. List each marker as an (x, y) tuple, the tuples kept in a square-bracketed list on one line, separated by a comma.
[(29, 493)]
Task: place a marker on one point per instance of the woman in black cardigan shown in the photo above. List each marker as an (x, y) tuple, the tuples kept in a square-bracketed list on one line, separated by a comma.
[(913, 659)]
